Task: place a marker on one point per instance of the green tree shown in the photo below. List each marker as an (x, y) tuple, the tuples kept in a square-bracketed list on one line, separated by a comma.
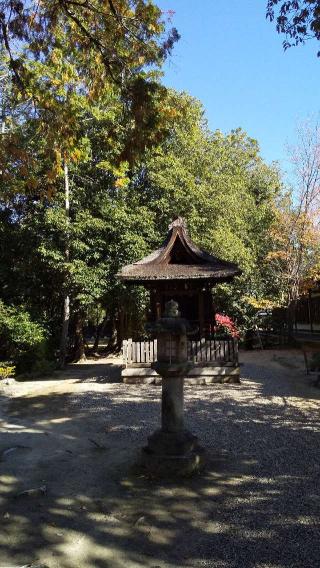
[(79, 62), (220, 184), (21, 340), (104, 230), (82, 57), (296, 241)]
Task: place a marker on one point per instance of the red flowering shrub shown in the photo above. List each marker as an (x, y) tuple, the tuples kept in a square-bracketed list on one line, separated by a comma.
[(225, 325)]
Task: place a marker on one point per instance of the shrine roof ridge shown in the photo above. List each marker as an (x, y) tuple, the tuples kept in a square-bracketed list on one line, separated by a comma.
[(179, 258)]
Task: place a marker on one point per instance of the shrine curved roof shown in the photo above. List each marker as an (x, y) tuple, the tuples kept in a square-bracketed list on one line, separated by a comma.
[(179, 258)]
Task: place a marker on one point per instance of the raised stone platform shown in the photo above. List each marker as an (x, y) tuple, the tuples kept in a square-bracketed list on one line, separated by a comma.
[(198, 375)]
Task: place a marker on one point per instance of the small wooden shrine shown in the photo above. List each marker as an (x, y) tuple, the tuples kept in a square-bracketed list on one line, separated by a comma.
[(181, 271)]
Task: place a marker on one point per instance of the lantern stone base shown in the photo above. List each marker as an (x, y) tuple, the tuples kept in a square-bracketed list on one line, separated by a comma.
[(172, 454)]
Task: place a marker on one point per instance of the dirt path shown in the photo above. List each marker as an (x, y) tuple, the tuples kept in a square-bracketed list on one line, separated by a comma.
[(75, 437)]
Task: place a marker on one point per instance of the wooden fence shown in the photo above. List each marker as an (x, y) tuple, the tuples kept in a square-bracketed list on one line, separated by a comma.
[(305, 313), (211, 350), (144, 352)]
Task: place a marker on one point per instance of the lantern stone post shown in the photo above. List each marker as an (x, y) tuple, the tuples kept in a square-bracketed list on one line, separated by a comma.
[(172, 450)]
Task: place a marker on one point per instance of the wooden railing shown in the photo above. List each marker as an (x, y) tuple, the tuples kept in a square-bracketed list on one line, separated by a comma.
[(144, 351), (210, 350), (203, 351)]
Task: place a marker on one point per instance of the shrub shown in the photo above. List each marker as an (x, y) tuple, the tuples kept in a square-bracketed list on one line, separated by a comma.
[(22, 340), (6, 371), (225, 326)]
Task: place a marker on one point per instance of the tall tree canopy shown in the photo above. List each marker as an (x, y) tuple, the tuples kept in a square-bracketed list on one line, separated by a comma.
[(218, 182), (71, 64), (69, 59), (103, 39), (296, 236), (225, 191)]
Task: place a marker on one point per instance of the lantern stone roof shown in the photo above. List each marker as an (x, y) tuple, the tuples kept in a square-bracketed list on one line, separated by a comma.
[(179, 258)]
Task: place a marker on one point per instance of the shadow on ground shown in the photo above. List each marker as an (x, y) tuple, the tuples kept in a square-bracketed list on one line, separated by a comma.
[(256, 505), (101, 371)]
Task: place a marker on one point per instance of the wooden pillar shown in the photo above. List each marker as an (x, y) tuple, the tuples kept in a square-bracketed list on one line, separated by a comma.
[(155, 305), (209, 311), (310, 311), (201, 312), (158, 305)]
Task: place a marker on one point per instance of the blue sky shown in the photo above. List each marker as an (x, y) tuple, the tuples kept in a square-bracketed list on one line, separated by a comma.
[(231, 58)]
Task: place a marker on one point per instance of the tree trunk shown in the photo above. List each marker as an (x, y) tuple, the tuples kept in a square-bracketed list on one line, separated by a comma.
[(64, 331), (100, 330), (3, 118), (79, 344), (120, 329), (114, 334), (66, 303)]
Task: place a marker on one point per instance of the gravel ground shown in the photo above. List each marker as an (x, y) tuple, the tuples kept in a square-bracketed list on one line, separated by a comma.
[(257, 504)]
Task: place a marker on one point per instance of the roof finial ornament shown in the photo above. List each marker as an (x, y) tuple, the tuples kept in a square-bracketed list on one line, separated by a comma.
[(178, 222)]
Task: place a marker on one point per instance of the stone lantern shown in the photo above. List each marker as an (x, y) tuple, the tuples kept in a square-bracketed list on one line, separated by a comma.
[(172, 450)]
